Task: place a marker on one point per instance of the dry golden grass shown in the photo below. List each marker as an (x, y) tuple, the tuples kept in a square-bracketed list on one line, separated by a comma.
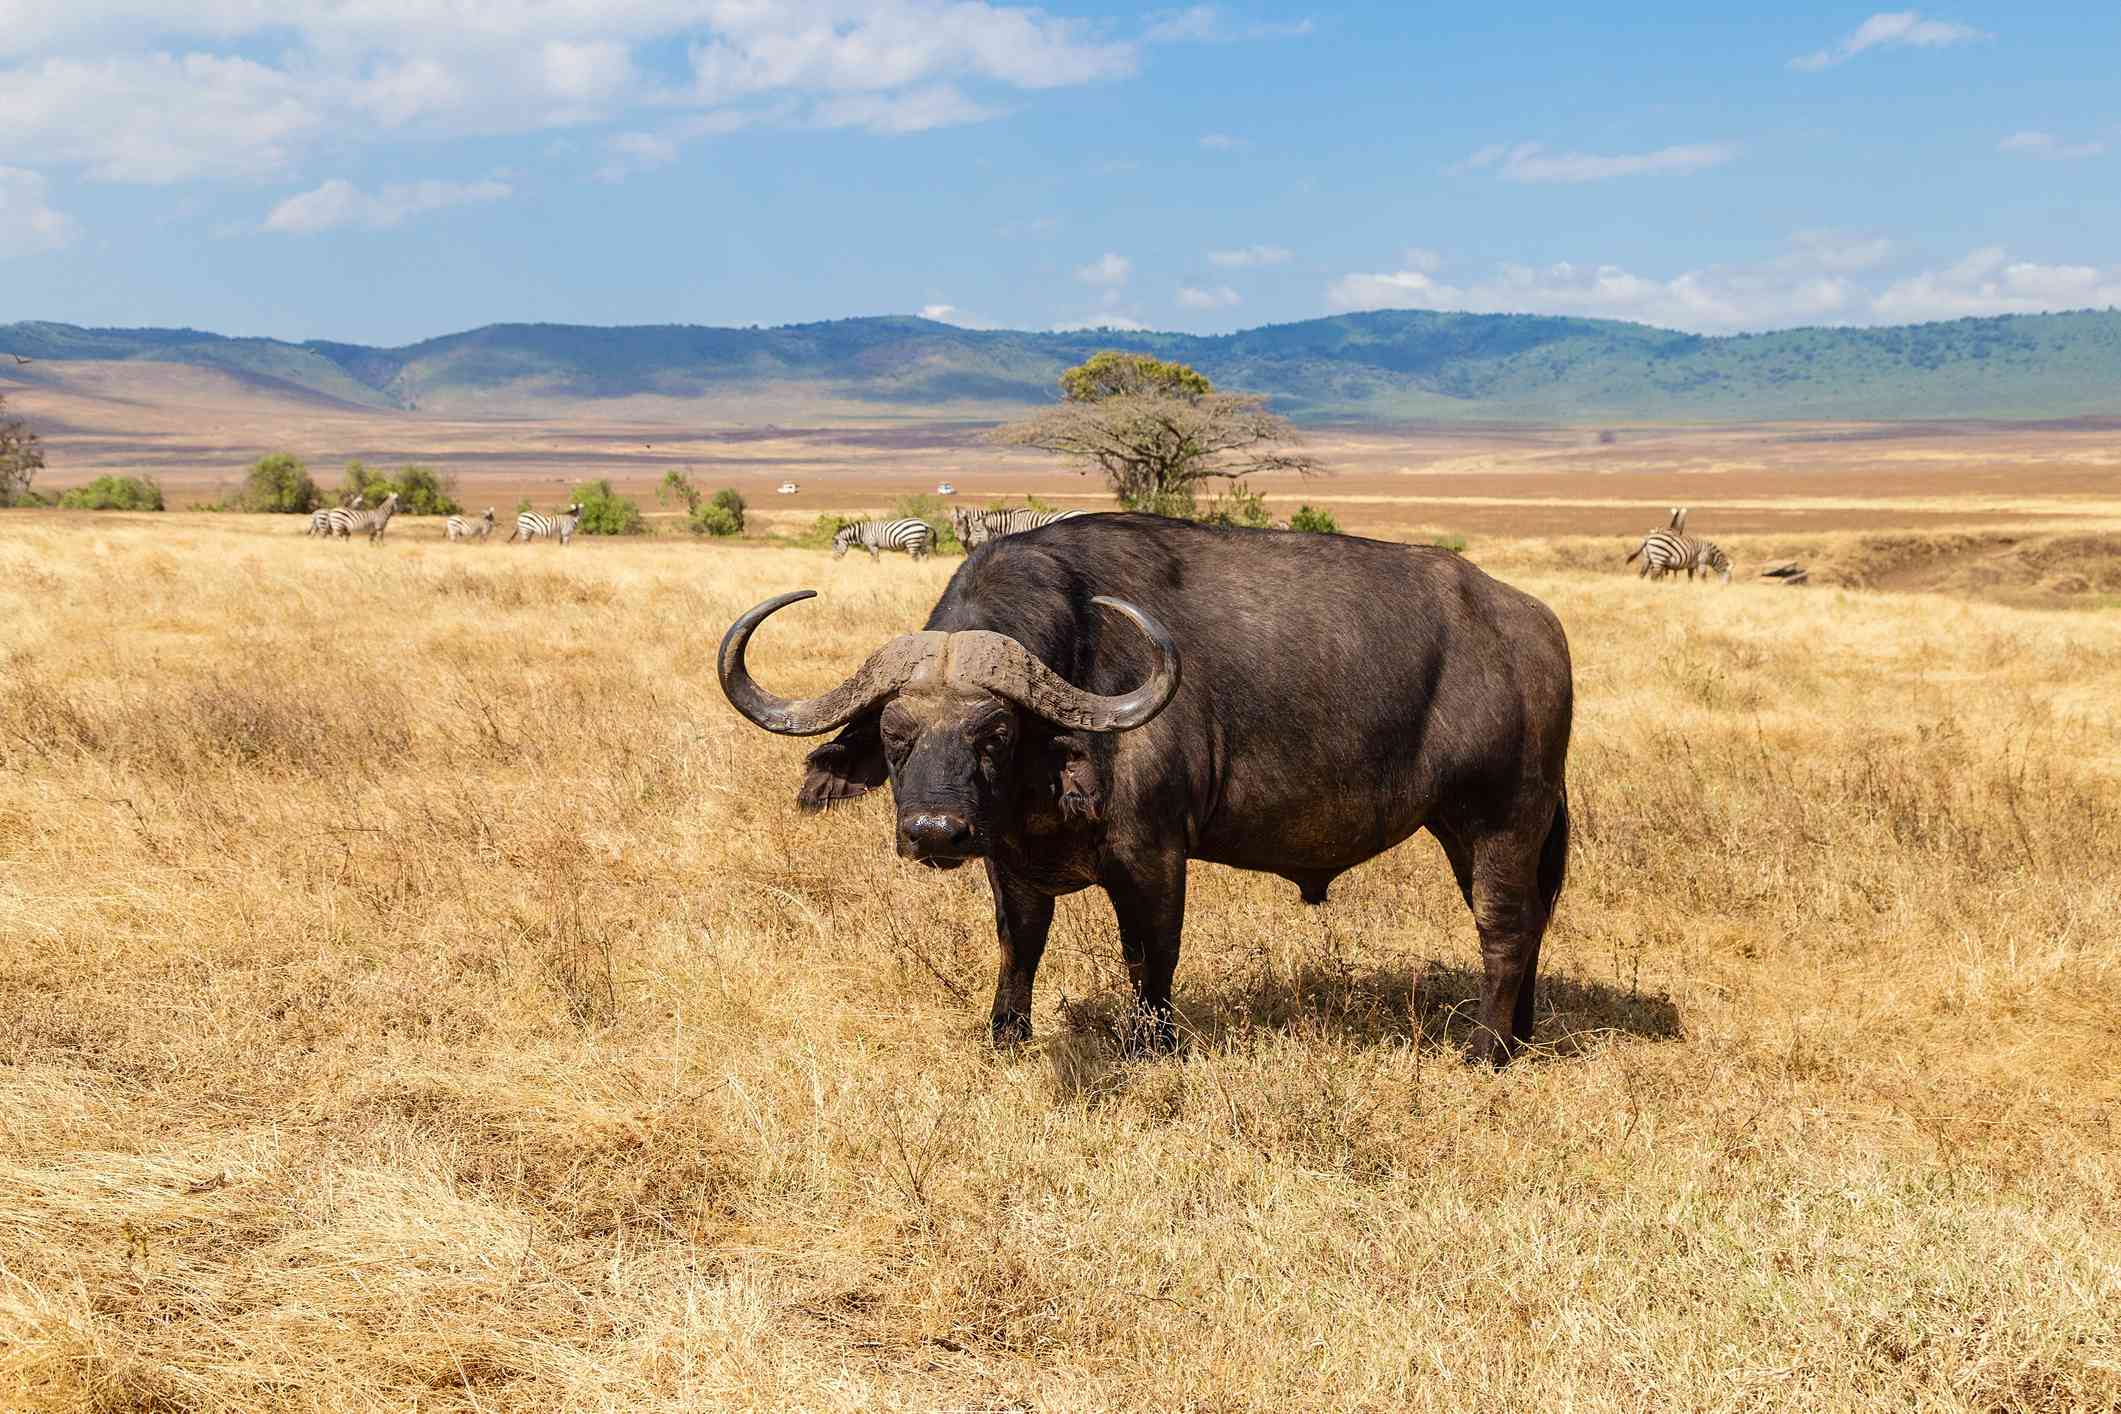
[(419, 990)]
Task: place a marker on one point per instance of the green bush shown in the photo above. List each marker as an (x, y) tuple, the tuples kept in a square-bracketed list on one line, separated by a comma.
[(115, 493), (819, 535), (1240, 505), (1317, 522), (279, 484), (724, 515), (1456, 544), (936, 512), (420, 490), (605, 512)]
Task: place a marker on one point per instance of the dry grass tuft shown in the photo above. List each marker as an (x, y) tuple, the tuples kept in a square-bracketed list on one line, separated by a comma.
[(416, 988)]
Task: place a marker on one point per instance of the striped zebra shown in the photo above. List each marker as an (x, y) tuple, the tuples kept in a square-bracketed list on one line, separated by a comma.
[(530, 525), (471, 527), (910, 535), (1666, 552), (976, 528), (345, 521), (320, 519)]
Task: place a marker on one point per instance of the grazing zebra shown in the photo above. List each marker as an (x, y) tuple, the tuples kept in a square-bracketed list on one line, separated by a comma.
[(347, 520), (976, 528), (530, 525), (320, 519), (471, 527), (1665, 552), (910, 535)]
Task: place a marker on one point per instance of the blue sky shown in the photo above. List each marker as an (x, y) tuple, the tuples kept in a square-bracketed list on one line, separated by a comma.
[(385, 170)]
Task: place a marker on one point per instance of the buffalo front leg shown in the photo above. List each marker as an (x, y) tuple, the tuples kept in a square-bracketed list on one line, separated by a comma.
[(1149, 900), (1512, 919), (1022, 917)]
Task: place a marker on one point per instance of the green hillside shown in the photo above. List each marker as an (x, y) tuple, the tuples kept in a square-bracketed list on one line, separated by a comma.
[(1381, 366)]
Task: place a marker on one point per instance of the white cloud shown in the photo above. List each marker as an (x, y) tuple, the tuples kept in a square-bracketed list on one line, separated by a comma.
[(913, 111), (1223, 142), (28, 224), (1219, 297), (1886, 30), (1805, 285), (1841, 251), (951, 314), (1808, 284), (1206, 24), (1122, 322), (1988, 282), (339, 202), (247, 88), (1249, 257), (2047, 145), (1110, 270), (1531, 162)]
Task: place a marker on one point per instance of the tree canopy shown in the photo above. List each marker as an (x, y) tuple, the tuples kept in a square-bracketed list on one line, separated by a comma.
[(1113, 374), (20, 457), (1157, 431)]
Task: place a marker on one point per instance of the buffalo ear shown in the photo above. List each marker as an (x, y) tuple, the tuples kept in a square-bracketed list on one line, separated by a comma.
[(1075, 781), (849, 765)]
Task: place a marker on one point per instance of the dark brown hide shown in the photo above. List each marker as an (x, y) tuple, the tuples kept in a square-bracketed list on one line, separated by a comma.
[(1338, 695)]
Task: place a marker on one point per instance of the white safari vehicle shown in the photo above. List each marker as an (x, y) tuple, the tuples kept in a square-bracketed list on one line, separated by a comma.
[(944, 488), (786, 488)]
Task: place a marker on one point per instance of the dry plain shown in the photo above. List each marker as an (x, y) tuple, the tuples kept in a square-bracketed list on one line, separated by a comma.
[(417, 990)]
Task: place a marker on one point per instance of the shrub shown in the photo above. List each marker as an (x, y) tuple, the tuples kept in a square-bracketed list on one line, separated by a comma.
[(1240, 505), (279, 484), (819, 535), (115, 493), (605, 512), (677, 486), (1317, 522), (724, 515), (936, 512), (1456, 544), (421, 491)]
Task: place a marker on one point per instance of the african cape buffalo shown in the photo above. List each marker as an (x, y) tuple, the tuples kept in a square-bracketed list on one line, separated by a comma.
[(1100, 700)]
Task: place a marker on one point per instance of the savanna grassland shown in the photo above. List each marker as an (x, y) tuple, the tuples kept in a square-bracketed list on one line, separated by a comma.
[(417, 990)]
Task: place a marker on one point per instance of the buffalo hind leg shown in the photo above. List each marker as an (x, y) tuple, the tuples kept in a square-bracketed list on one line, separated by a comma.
[(1512, 918), (1022, 917), (1149, 899)]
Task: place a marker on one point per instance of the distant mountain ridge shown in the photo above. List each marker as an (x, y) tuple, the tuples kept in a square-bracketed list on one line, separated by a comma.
[(1387, 365)]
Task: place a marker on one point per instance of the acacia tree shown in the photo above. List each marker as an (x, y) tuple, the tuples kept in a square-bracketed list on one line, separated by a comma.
[(1157, 431), (20, 457)]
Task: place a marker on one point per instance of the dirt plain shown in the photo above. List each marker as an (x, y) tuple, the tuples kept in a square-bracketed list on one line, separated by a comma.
[(196, 430)]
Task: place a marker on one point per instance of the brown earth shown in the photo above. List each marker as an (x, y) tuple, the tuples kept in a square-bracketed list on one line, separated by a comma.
[(197, 430)]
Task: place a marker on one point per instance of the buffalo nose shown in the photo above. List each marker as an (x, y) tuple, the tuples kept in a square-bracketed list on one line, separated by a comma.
[(934, 832)]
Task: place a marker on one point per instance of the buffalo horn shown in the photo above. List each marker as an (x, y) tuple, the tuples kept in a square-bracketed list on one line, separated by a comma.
[(884, 673)]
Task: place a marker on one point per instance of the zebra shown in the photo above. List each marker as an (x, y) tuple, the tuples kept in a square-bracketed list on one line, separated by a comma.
[(530, 525), (471, 527), (910, 535), (976, 528), (345, 521), (320, 519), (1666, 552)]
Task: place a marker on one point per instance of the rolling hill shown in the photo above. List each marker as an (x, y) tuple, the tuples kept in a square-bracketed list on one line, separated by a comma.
[(1383, 366)]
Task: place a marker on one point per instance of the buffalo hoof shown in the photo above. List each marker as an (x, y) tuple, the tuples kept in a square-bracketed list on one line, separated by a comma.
[(1149, 1032), (1491, 1052), (1011, 1031)]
